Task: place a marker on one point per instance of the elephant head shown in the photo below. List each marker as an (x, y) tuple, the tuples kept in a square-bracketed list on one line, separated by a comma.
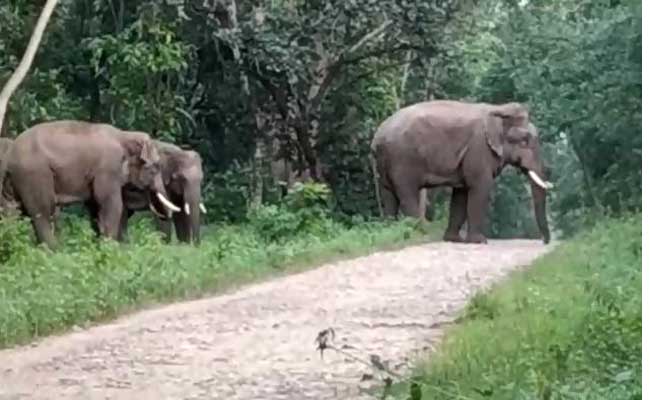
[(514, 139), (183, 177), (143, 170)]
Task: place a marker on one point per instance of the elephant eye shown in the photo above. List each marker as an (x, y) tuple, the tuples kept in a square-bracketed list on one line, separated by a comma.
[(152, 167)]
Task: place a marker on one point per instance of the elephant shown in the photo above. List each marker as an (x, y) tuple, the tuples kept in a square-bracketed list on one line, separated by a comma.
[(6, 199), (63, 162), (5, 145), (461, 145), (182, 175)]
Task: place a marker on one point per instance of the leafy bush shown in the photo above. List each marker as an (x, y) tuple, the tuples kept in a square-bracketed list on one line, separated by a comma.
[(568, 328), (305, 210)]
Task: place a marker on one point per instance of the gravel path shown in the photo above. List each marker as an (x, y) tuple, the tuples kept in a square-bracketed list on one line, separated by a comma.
[(258, 342)]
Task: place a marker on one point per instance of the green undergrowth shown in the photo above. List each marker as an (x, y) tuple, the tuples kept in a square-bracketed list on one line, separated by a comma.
[(567, 328), (89, 280)]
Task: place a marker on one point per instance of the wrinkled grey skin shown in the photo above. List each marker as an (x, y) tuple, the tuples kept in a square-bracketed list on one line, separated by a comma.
[(5, 144), (64, 162), (460, 145), (7, 201), (182, 174)]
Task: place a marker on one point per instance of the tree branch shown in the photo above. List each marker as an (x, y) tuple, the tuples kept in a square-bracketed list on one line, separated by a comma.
[(368, 37), (26, 62)]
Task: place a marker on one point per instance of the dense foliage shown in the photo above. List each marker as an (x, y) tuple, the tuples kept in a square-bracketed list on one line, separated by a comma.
[(569, 328), (249, 84)]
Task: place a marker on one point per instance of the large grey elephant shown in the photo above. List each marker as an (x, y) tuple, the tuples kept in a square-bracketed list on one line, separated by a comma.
[(182, 175), (64, 162), (461, 145)]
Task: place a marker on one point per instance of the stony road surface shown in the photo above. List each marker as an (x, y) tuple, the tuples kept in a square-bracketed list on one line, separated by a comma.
[(258, 342)]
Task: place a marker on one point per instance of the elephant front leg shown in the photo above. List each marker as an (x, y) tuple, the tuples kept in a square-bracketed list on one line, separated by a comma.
[(110, 214), (477, 202), (108, 198), (123, 233), (44, 230), (165, 227), (183, 227), (457, 215)]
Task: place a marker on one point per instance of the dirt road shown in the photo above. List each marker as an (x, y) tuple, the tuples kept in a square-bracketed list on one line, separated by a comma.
[(258, 342)]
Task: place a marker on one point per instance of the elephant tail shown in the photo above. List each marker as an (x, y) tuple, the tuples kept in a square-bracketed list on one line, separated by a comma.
[(6, 196), (3, 173), (375, 180)]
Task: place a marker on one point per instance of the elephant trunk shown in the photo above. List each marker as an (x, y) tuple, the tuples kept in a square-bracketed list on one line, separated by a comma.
[(193, 209), (539, 202)]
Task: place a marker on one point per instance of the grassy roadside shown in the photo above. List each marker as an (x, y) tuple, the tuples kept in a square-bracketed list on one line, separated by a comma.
[(569, 328), (88, 281)]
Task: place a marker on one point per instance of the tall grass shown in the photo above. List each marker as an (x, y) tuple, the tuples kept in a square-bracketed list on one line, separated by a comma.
[(567, 328), (87, 280)]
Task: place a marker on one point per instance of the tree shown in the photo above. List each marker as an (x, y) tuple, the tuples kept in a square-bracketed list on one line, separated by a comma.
[(17, 77)]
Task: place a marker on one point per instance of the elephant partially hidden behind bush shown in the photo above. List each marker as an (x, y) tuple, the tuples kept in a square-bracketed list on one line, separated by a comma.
[(182, 175), (461, 145), (64, 162)]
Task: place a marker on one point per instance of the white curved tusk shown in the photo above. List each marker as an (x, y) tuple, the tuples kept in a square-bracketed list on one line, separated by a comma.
[(153, 210), (539, 182), (187, 208), (167, 203), (202, 207)]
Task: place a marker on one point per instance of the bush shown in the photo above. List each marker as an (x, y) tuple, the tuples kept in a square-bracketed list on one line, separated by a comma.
[(305, 210)]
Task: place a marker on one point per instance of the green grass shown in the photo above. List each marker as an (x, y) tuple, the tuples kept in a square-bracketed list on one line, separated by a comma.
[(87, 280), (567, 328)]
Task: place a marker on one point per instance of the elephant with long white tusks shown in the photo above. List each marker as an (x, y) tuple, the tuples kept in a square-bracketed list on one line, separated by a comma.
[(182, 174), (63, 162), (461, 145)]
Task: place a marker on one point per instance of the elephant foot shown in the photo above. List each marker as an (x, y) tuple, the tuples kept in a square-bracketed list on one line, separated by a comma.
[(452, 237), (476, 238)]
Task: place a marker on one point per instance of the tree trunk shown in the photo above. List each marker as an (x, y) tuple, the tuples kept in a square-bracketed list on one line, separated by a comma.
[(17, 77), (261, 149)]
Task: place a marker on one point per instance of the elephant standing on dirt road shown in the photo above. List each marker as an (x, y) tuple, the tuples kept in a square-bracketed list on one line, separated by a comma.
[(65, 162), (462, 145), (182, 175)]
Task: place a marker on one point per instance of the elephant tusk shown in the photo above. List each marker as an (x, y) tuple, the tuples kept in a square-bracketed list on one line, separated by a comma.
[(187, 208), (153, 210), (202, 207), (539, 182), (167, 203)]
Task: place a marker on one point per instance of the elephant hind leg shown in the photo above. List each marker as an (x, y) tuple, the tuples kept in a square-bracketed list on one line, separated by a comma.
[(389, 202), (409, 199), (457, 215), (36, 193)]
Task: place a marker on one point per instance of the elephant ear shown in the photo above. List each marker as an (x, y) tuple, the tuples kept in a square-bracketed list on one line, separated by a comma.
[(514, 113), (149, 153), (493, 128)]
